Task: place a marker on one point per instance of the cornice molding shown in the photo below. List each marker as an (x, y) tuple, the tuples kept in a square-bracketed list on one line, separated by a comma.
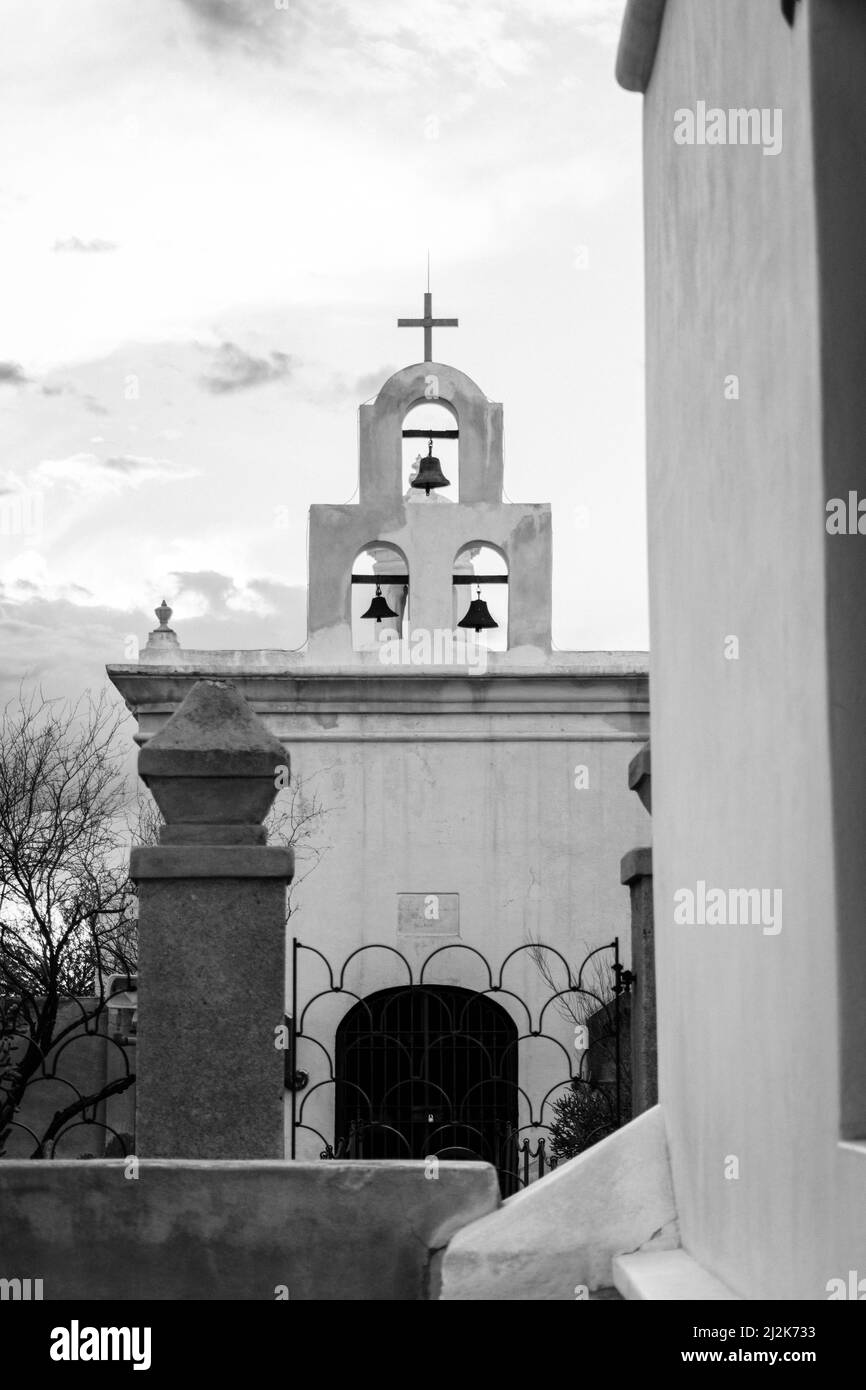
[(638, 41)]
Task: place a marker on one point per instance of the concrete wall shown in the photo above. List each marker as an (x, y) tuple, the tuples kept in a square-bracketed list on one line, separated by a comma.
[(181, 1229), (758, 762)]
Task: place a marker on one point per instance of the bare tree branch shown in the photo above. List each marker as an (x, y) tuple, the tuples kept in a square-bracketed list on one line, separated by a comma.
[(67, 906)]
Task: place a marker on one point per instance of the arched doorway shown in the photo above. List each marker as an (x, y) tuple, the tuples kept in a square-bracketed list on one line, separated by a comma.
[(426, 1070)]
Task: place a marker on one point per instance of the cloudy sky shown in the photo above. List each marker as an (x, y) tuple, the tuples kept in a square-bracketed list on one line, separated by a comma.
[(212, 214)]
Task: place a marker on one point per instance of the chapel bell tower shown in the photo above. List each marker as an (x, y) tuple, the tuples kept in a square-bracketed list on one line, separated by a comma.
[(407, 557)]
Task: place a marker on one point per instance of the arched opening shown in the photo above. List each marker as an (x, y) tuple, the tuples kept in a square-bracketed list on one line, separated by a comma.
[(431, 423), (424, 1070), (482, 569), (378, 573)]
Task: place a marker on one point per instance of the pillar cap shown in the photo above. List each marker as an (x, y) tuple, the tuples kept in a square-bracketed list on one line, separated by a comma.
[(638, 863), (214, 761), (640, 776)]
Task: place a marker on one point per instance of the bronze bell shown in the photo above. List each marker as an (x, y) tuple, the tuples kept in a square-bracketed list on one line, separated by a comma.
[(379, 608), (478, 615), (430, 473)]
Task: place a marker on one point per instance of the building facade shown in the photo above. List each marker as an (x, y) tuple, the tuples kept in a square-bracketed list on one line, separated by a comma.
[(455, 794)]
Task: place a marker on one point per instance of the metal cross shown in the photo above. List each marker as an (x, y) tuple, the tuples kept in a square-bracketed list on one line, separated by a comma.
[(428, 323)]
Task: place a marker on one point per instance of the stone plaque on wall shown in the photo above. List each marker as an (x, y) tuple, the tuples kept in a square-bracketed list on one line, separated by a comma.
[(428, 914)]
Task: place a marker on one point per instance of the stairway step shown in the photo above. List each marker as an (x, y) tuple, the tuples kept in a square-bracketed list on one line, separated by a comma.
[(666, 1274)]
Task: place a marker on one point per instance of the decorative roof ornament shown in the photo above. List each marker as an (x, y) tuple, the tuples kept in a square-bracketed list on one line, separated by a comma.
[(162, 645), (163, 613)]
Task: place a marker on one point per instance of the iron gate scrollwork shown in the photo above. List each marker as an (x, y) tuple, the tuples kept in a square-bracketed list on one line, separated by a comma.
[(424, 1069)]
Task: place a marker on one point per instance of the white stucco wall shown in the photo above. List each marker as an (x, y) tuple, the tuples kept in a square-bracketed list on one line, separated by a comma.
[(749, 1024), (439, 783), (481, 803)]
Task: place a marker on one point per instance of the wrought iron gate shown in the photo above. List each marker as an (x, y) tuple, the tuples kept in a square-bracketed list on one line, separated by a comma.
[(424, 1069)]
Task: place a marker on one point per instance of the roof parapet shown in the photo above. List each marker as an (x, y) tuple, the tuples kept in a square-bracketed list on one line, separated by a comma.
[(638, 41)]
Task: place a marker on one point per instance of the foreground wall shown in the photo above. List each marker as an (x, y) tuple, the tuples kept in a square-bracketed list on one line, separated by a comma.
[(185, 1229), (758, 761)]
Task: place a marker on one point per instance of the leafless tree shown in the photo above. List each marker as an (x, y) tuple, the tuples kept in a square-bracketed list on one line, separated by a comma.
[(297, 819), (67, 918), (587, 1111), (577, 1005)]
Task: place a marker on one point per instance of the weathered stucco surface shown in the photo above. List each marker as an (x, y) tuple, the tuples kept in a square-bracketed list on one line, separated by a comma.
[(235, 1230), (758, 762), (456, 785), (563, 1232)]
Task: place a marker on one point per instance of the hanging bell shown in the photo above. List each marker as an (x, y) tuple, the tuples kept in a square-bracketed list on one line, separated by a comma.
[(379, 608), (478, 615), (430, 473)]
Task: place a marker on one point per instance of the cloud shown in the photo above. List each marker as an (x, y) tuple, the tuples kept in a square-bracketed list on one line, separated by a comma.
[(234, 369), (219, 596), (250, 24), (213, 588), (11, 374), (388, 43), (89, 474), (56, 639), (58, 642), (215, 611), (75, 243), (129, 466), (231, 15), (53, 389), (371, 383), (339, 388), (273, 593)]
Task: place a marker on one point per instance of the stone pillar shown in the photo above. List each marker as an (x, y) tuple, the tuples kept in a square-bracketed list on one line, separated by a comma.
[(212, 936), (636, 871)]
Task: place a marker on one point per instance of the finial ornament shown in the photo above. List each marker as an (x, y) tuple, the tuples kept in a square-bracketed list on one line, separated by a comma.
[(163, 613), (162, 644)]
